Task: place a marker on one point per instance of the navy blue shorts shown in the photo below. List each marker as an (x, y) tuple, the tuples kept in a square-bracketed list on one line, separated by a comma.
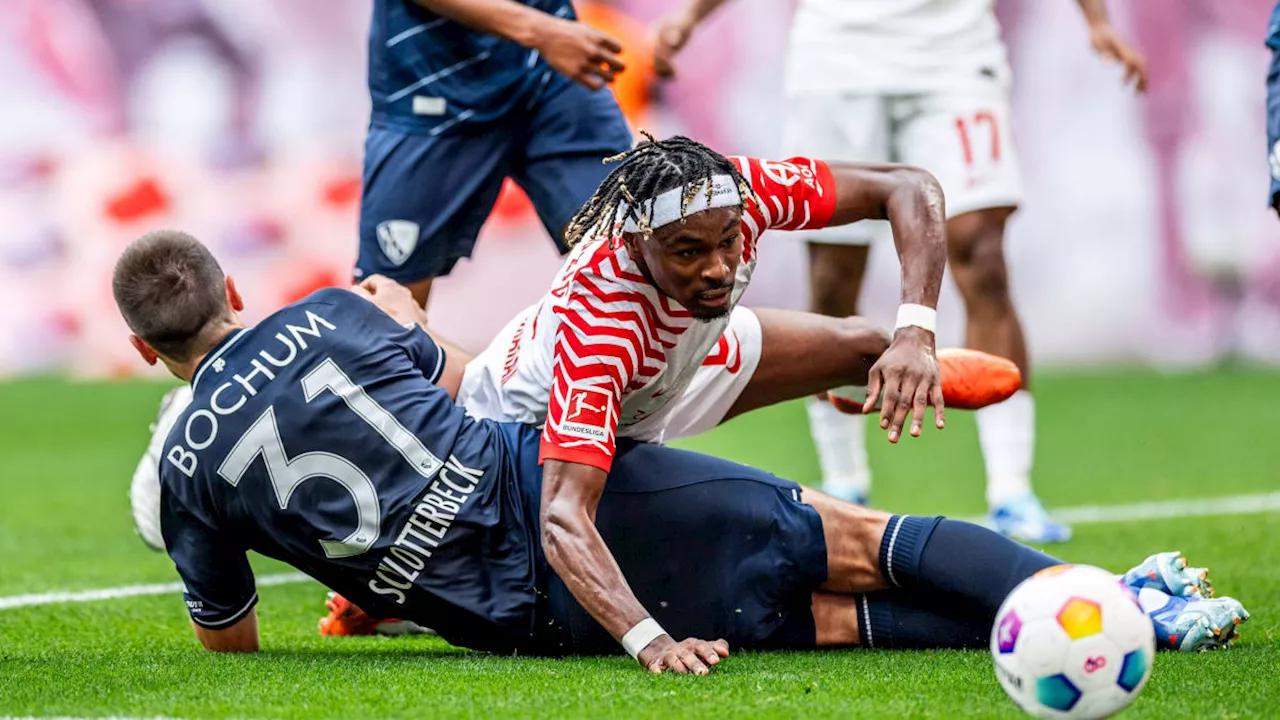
[(427, 194), (711, 548)]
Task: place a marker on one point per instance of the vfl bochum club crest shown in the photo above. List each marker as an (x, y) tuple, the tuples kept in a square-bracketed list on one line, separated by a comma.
[(397, 238)]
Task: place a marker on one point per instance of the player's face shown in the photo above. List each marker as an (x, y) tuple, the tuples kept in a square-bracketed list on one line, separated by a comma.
[(695, 262)]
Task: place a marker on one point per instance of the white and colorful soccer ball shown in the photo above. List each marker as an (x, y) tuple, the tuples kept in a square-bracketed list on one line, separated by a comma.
[(1071, 641)]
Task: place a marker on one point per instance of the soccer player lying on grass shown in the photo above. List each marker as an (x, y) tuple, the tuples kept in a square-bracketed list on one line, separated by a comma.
[(326, 437), (641, 334)]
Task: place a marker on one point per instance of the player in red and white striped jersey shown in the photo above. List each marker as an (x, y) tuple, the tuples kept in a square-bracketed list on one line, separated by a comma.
[(641, 337), (664, 251), (640, 334)]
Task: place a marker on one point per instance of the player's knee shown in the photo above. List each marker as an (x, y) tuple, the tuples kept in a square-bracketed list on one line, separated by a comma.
[(977, 257)]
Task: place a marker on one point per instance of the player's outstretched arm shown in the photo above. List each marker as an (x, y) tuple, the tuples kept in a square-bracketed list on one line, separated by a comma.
[(580, 53), (241, 636), (570, 495), (670, 34), (907, 374), (1110, 44)]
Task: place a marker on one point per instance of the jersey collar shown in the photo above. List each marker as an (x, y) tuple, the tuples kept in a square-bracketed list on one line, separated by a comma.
[(214, 354)]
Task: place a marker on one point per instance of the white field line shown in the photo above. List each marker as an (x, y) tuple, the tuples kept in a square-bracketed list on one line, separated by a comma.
[(1162, 509), (56, 598), (1084, 515)]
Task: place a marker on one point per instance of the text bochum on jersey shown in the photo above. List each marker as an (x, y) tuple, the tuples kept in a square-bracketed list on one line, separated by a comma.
[(386, 506)]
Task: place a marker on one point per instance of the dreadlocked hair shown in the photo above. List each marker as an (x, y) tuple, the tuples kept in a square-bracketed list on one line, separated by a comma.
[(644, 172)]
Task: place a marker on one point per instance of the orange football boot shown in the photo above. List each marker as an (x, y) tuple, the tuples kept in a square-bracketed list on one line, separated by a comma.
[(971, 379), (345, 618)]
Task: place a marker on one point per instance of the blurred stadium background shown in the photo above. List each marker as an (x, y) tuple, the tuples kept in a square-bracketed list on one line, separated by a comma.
[(1145, 236)]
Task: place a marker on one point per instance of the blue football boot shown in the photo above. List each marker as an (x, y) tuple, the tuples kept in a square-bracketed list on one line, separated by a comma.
[(1024, 518), (1168, 573), (1192, 624)]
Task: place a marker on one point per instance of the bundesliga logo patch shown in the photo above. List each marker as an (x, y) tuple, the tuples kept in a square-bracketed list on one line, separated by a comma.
[(587, 412)]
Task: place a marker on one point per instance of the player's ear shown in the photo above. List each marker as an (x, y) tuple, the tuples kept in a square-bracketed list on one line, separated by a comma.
[(632, 242), (144, 349), (234, 301)]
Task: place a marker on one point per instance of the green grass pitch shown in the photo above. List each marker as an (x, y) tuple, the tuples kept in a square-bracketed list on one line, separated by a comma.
[(67, 450)]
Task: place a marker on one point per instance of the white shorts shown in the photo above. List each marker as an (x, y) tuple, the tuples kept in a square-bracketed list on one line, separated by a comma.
[(963, 137), (715, 387)]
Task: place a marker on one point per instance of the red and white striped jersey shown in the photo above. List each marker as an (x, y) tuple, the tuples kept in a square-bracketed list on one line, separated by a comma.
[(604, 352)]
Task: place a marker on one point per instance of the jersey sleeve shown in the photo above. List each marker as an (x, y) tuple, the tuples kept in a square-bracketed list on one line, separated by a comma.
[(217, 581), (600, 344), (794, 194), (422, 349), (415, 341)]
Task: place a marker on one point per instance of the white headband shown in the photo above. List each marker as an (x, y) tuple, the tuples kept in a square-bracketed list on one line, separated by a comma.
[(666, 208)]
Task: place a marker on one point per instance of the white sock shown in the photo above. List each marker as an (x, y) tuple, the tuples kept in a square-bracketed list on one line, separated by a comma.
[(1007, 434), (841, 440)]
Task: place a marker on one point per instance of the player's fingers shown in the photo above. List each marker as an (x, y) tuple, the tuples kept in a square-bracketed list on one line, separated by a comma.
[(900, 410), (722, 647), (918, 408), (359, 290), (674, 664), (673, 37), (589, 80), (693, 663), (939, 407), (608, 43), (873, 390), (663, 68), (609, 60), (707, 653), (1140, 72), (889, 403), (603, 73)]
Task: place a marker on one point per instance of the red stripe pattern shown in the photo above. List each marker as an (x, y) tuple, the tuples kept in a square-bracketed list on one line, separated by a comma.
[(613, 350)]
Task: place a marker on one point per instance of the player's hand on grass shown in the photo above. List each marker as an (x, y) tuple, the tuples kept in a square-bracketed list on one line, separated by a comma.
[(391, 298), (908, 376), (1110, 44), (668, 36), (690, 655), (579, 52)]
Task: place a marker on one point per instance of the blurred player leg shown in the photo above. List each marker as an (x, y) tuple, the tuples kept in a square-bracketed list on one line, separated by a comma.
[(838, 128), (964, 138), (425, 198), (565, 139)]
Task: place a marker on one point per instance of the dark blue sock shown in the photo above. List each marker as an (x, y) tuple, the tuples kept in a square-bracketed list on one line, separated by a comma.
[(958, 559), (918, 620)]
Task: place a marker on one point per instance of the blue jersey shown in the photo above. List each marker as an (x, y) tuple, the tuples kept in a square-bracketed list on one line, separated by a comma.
[(428, 72), (318, 438)]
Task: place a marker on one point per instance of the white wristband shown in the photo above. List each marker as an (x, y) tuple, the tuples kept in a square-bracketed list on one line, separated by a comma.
[(639, 637), (921, 316)]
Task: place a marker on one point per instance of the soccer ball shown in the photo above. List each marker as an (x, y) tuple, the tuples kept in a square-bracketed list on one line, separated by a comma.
[(1072, 642)]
